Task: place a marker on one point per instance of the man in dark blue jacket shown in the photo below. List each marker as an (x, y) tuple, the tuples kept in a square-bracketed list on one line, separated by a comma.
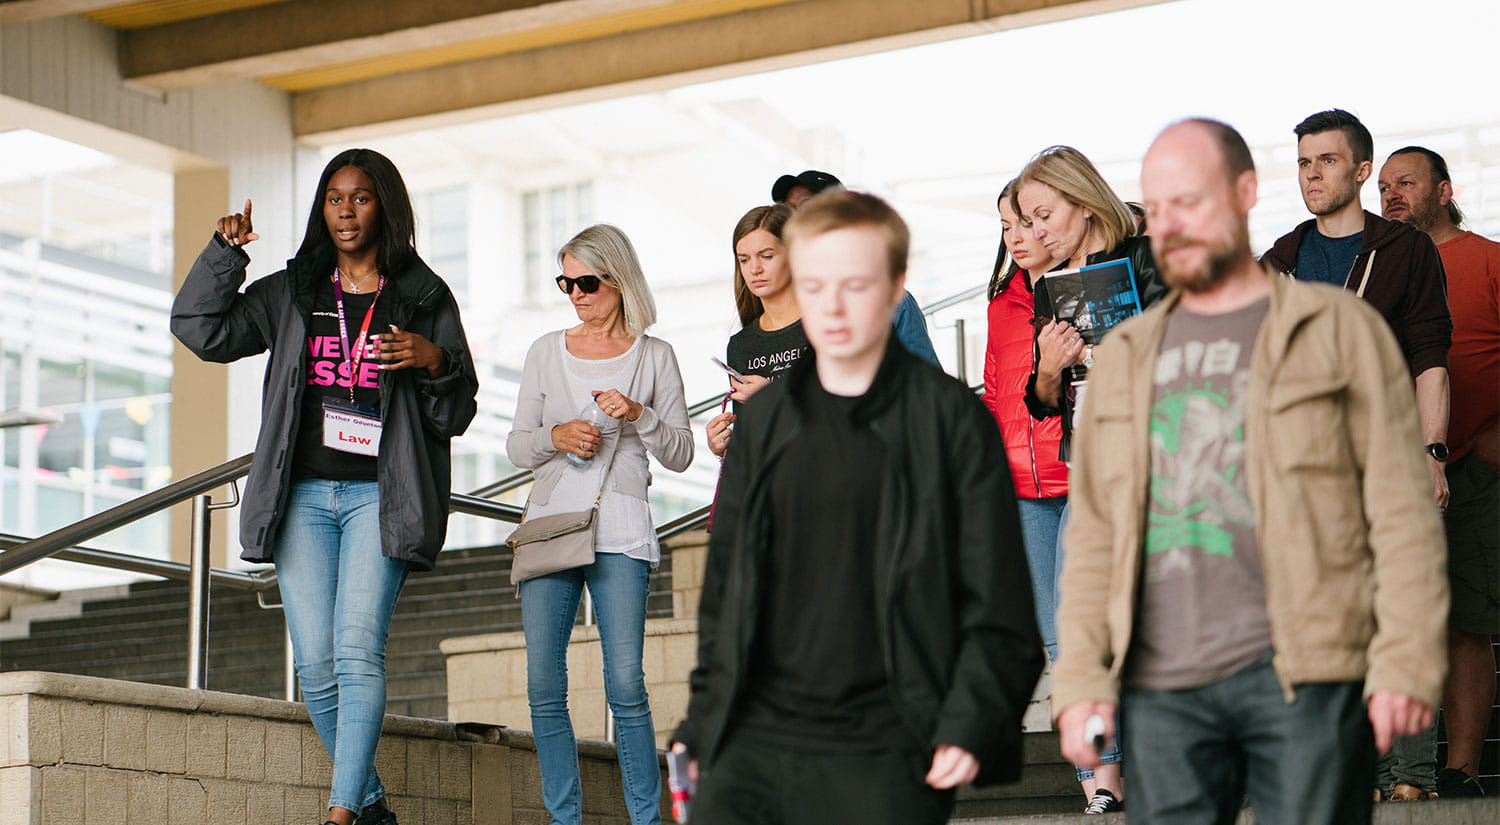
[(866, 635)]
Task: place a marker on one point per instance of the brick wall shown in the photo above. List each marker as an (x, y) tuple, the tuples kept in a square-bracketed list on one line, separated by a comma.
[(76, 750), (487, 677)]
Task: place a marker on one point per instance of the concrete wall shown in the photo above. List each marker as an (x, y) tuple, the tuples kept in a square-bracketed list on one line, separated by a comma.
[(487, 677), (487, 673), (76, 750)]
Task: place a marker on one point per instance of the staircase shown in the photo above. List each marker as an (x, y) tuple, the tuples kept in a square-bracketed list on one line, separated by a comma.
[(141, 635)]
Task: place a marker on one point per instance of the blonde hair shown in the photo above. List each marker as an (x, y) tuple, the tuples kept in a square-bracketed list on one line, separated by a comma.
[(1074, 176), (605, 249), (842, 209)]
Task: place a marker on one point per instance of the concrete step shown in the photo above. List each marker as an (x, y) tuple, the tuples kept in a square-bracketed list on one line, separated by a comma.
[(1434, 812), (67, 604)]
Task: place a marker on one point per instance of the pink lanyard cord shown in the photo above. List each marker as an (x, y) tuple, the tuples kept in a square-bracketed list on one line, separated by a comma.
[(354, 353)]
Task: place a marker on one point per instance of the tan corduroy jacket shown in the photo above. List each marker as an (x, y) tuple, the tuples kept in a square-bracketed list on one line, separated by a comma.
[(1350, 537)]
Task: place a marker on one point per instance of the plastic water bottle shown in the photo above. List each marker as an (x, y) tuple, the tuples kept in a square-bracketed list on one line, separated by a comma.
[(602, 421)]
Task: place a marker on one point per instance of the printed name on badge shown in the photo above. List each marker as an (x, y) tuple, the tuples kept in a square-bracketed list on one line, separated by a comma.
[(351, 433)]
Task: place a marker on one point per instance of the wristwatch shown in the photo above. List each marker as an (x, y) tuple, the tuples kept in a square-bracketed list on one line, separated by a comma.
[(1437, 450)]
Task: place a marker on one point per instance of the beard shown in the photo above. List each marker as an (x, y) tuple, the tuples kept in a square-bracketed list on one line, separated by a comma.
[(1334, 199), (1423, 214), (1224, 253)]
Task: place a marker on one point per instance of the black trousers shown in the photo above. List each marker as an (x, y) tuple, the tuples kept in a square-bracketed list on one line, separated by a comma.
[(756, 783)]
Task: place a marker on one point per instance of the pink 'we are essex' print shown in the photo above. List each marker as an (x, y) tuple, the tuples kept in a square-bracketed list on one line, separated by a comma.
[(327, 366)]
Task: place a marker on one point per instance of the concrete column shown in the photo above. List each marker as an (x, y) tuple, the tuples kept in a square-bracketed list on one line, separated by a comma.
[(200, 391)]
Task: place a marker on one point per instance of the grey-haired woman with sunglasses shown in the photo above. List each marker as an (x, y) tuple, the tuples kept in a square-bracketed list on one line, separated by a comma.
[(607, 360)]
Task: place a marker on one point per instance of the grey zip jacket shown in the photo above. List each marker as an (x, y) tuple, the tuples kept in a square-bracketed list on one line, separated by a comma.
[(211, 317)]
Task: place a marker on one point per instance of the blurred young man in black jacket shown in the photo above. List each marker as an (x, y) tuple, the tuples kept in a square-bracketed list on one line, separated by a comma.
[(866, 635)]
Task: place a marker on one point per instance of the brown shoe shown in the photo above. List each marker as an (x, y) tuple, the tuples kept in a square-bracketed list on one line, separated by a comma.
[(1404, 792)]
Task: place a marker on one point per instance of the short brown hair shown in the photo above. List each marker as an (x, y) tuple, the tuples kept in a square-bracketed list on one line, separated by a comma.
[(843, 210)]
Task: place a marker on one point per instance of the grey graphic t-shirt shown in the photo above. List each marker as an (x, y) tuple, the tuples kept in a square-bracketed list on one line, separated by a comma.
[(1202, 613)]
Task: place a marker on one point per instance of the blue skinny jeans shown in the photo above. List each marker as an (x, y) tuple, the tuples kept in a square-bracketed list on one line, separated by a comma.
[(549, 607), (339, 592)]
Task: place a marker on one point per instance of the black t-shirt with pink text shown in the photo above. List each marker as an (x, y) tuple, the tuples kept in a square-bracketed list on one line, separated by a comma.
[(328, 376)]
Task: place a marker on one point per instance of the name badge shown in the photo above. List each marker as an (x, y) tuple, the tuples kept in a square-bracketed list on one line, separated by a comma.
[(351, 428)]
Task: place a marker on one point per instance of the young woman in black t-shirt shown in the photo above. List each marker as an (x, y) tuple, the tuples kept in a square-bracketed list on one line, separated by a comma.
[(369, 379), (771, 338)]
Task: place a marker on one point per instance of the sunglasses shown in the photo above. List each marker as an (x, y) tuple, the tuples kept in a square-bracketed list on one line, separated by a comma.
[(587, 284)]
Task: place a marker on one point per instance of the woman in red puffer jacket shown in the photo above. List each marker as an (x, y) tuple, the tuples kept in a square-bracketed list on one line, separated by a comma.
[(1041, 480)]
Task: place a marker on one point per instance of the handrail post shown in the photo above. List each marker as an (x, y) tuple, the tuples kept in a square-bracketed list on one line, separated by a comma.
[(197, 676), (291, 662), (961, 363)]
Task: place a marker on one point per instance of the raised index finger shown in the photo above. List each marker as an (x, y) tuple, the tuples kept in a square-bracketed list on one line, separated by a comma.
[(247, 209)]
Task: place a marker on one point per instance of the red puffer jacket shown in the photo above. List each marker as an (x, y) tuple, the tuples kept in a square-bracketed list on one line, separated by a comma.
[(1030, 445)]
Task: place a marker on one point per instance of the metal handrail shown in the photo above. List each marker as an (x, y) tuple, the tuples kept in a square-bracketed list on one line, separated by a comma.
[(476, 506), (687, 521), (954, 300), (254, 581), (120, 515)]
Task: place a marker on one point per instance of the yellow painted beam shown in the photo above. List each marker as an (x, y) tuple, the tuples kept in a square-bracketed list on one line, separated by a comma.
[(750, 41), (157, 12), (320, 42), (525, 39)]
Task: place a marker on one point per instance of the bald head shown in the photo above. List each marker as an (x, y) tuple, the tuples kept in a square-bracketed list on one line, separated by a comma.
[(1226, 143), (1199, 184)]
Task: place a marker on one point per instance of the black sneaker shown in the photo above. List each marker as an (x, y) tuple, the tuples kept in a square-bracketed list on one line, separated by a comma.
[(377, 814), (1103, 802), (1453, 783)]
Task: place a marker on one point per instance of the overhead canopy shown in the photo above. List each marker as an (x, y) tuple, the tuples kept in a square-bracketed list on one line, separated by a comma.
[(353, 66)]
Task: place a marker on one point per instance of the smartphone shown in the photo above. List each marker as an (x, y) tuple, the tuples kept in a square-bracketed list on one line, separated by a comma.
[(679, 784), (733, 373)]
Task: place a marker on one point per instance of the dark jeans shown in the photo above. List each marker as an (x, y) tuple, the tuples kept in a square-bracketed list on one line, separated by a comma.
[(1192, 754), (752, 783)]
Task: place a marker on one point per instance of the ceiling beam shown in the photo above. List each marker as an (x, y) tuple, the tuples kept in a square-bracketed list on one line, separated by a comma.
[(21, 11), (746, 42), (288, 38)]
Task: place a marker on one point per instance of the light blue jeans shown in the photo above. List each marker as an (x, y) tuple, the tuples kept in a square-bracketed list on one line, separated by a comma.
[(1042, 523), (549, 608), (339, 592)]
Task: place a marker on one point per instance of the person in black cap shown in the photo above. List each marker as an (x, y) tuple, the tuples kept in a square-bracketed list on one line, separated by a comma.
[(794, 190), (911, 325)]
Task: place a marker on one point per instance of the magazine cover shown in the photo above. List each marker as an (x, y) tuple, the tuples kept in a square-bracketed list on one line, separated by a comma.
[(1095, 298)]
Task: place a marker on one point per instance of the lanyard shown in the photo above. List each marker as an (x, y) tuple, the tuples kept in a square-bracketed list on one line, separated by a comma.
[(354, 354)]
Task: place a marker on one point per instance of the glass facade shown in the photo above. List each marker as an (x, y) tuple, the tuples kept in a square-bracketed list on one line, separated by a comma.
[(85, 291)]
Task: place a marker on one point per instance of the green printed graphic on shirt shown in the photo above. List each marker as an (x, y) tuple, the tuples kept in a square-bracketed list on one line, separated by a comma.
[(1198, 449), (1202, 611)]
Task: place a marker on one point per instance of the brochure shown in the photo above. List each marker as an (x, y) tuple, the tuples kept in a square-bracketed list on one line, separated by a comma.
[(1093, 299)]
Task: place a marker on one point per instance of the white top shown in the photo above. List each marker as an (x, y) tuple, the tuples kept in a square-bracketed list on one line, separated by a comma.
[(555, 385)]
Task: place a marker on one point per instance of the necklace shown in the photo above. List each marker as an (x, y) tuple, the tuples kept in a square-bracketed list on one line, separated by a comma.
[(354, 286)]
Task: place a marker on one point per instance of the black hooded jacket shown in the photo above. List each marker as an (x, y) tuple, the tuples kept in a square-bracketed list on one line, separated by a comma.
[(1399, 272), (420, 415), (953, 596)]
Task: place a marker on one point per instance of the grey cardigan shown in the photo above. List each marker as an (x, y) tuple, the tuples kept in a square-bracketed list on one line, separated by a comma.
[(545, 401)]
